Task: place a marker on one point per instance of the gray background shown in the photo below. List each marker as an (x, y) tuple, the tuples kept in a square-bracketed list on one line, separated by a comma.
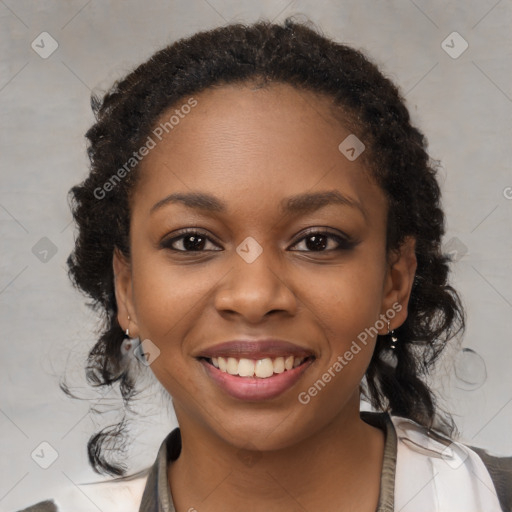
[(463, 104)]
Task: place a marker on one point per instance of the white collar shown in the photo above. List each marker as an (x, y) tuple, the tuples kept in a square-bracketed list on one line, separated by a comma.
[(436, 474)]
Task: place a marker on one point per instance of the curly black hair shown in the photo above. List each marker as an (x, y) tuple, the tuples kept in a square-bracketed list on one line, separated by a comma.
[(298, 54)]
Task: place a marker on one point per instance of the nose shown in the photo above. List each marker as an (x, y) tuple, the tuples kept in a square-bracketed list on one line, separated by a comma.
[(253, 290)]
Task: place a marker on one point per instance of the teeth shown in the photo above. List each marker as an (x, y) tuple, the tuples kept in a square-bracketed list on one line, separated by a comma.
[(246, 368), (232, 366), (279, 365), (264, 368), (261, 368)]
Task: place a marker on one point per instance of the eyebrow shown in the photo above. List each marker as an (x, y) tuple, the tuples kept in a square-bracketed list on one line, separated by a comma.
[(300, 203)]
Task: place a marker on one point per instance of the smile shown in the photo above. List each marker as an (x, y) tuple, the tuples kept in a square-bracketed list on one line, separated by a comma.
[(260, 368), (255, 380)]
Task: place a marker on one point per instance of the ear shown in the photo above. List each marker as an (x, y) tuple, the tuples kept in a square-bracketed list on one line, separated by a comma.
[(124, 293), (398, 282)]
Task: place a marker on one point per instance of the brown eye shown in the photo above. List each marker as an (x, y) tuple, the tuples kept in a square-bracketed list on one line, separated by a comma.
[(189, 241), (323, 241)]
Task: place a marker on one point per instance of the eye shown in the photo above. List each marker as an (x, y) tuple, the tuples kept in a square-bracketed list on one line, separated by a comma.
[(324, 241), (189, 240), (192, 240)]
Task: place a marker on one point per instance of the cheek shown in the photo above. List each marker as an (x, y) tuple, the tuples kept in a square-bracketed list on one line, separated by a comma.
[(346, 314), (166, 302), (166, 296), (347, 298), (347, 303)]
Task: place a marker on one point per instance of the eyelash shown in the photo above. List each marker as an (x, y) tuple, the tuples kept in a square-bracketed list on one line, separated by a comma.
[(344, 243)]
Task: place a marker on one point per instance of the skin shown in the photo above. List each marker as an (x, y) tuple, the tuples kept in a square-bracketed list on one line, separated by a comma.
[(251, 148)]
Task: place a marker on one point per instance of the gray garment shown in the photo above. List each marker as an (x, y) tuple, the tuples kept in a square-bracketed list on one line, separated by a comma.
[(42, 506), (157, 493)]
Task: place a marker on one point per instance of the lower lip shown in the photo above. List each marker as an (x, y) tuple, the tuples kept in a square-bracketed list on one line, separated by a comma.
[(254, 388)]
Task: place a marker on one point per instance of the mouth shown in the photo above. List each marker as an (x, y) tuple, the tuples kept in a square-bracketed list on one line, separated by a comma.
[(252, 370), (255, 370), (264, 368)]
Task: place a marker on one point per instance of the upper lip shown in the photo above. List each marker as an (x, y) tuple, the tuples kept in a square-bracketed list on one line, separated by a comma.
[(255, 349)]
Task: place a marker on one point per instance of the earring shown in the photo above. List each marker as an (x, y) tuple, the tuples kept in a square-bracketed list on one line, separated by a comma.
[(127, 332), (394, 339), (126, 345)]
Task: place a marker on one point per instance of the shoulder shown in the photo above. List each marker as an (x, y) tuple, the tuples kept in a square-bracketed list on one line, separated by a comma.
[(452, 463), (500, 469), (115, 495), (42, 506), (124, 494)]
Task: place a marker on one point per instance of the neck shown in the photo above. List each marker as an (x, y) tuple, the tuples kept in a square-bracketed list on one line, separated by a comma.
[(341, 463)]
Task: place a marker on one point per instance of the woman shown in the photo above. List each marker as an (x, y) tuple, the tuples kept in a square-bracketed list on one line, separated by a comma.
[(261, 226)]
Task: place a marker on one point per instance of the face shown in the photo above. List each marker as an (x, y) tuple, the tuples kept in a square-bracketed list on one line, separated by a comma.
[(289, 245)]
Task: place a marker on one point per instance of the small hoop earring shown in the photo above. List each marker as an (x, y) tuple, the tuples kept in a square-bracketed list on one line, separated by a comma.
[(394, 339)]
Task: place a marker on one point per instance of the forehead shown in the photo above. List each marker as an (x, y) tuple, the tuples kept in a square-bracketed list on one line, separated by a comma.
[(244, 143)]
